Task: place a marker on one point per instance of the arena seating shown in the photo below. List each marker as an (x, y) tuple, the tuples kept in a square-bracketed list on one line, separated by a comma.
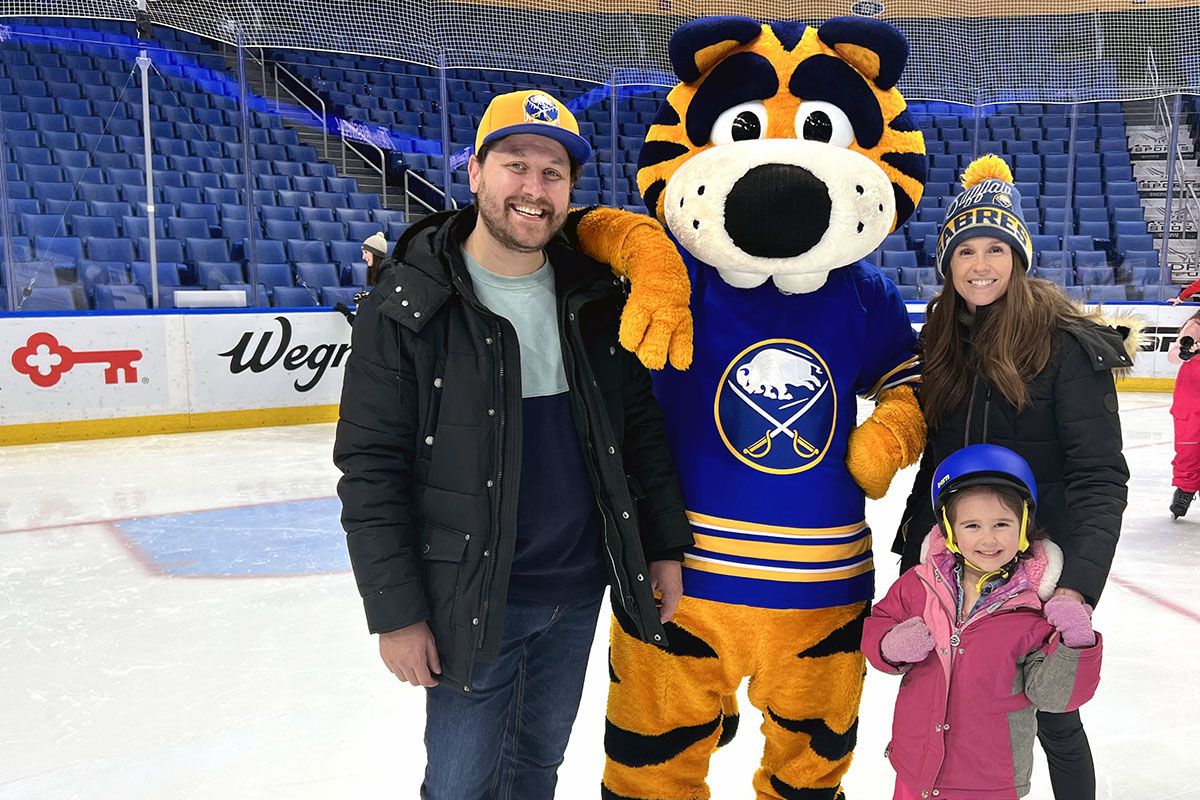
[(78, 201)]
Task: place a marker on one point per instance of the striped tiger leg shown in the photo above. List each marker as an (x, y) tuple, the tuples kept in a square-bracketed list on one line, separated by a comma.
[(666, 707), (809, 690)]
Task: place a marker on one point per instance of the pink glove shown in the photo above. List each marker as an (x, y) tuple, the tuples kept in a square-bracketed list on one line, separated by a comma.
[(907, 643), (1072, 619)]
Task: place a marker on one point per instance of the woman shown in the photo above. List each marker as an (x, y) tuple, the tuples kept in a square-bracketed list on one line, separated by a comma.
[(1009, 360), (1185, 408), (374, 251)]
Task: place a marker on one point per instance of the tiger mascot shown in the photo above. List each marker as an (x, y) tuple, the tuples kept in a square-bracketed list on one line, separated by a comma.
[(783, 157)]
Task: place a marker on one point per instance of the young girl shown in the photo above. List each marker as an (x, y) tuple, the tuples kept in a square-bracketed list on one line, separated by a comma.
[(981, 645), (1185, 408)]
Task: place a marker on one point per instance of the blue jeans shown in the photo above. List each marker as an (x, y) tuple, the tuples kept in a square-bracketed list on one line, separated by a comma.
[(506, 738)]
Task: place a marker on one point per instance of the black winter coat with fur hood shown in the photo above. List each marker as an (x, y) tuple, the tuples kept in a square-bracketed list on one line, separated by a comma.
[(1070, 433)]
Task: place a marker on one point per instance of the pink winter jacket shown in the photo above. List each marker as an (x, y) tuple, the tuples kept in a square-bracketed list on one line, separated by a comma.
[(965, 717)]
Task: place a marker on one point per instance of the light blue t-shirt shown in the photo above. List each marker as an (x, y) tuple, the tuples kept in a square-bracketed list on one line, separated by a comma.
[(557, 556), (528, 303)]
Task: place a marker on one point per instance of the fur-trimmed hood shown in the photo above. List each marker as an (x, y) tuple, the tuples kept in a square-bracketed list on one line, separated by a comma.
[(1129, 326), (1042, 568)]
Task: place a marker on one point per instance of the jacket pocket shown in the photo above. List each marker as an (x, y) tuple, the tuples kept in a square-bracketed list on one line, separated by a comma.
[(442, 544), (635, 488)]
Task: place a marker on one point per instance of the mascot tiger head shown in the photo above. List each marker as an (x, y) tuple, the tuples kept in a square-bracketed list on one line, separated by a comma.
[(786, 151)]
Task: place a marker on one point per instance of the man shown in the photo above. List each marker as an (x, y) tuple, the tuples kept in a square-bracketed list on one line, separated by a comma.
[(503, 460)]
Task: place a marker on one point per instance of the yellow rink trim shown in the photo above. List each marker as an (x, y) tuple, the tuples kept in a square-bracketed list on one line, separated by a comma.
[(737, 525), (1145, 384), (763, 573), (782, 552), (42, 432)]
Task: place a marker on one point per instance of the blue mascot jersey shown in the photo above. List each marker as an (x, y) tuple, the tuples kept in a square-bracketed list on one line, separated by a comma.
[(778, 520)]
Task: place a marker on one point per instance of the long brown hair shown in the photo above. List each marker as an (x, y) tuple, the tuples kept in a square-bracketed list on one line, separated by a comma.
[(1011, 342)]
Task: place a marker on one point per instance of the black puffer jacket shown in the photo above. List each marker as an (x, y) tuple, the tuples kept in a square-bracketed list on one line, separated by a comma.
[(429, 443), (1071, 436)]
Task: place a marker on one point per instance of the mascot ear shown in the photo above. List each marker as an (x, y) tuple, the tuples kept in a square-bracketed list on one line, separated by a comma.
[(876, 49), (695, 46)]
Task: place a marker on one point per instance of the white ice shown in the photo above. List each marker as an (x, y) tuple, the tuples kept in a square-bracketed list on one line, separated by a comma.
[(119, 682)]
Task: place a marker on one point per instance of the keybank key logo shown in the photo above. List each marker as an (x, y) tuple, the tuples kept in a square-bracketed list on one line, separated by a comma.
[(45, 361)]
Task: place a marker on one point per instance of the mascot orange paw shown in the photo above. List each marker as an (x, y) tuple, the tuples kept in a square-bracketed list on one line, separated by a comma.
[(891, 438)]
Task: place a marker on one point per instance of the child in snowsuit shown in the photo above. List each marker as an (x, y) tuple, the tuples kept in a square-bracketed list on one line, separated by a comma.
[(1185, 408), (980, 640)]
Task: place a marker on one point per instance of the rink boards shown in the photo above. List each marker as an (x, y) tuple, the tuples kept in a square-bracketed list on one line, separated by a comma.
[(90, 375)]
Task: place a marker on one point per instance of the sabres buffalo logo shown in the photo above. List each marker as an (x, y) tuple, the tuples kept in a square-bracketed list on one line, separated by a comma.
[(775, 407)]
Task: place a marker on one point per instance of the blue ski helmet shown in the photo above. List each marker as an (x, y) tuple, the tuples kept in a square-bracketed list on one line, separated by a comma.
[(983, 465)]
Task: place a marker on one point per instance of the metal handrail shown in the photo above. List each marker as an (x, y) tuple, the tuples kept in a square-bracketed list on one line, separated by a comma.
[(323, 116), (1191, 212), (408, 193), (381, 169)]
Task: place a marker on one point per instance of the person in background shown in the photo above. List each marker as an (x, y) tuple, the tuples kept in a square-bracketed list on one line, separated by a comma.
[(374, 251), (1185, 408)]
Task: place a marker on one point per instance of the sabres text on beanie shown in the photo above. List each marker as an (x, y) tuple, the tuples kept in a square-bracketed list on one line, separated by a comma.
[(989, 205)]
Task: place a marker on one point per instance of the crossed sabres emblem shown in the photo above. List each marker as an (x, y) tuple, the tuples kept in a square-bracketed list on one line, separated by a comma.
[(773, 373), (540, 108)]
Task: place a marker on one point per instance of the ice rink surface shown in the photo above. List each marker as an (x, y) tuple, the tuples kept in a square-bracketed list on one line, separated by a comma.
[(178, 620)]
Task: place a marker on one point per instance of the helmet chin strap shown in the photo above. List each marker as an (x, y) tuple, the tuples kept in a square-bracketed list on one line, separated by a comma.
[(1006, 570)]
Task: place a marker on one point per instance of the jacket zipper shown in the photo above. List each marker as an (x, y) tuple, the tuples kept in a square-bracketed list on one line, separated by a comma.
[(970, 411), (565, 332), (490, 569), (987, 407)]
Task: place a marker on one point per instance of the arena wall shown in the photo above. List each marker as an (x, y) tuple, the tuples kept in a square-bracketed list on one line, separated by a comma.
[(90, 376)]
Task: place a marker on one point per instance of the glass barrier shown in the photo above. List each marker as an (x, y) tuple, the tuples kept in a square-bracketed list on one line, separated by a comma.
[(273, 167)]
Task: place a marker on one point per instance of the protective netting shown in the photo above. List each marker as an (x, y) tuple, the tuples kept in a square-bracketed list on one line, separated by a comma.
[(1085, 51)]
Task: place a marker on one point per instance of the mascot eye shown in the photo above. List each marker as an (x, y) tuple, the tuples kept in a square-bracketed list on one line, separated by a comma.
[(824, 122), (740, 124)]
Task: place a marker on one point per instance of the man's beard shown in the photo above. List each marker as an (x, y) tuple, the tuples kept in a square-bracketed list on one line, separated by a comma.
[(495, 218)]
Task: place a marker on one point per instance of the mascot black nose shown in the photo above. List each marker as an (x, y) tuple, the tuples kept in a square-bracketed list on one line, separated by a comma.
[(777, 211)]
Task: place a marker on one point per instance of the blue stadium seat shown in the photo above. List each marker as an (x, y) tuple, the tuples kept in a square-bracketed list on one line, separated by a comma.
[(109, 249), (1144, 276), (918, 276), (283, 229), (294, 297), (185, 228), (303, 251), (361, 231), (120, 297), (286, 213), (50, 298), (1092, 276), (1139, 258), (205, 249), (166, 250), (61, 250), (352, 214), (168, 274), (327, 231), (1106, 293), (331, 295), (271, 274), (1091, 258), (354, 275), (1052, 259), (316, 274), (1053, 274), (213, 274), (898, 259)]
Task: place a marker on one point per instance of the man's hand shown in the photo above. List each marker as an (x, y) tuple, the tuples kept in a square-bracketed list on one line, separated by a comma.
[(411, 654), (1175, 301), (666, 581)]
